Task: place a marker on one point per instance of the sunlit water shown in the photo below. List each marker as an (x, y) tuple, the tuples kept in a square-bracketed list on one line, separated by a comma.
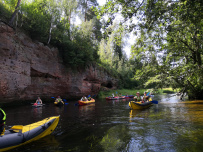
[(110, 126)]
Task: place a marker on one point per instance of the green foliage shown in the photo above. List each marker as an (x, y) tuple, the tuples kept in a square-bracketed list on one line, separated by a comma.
[(172, 30), (4, 11), (48, 21), (112, 56), (37, 21)]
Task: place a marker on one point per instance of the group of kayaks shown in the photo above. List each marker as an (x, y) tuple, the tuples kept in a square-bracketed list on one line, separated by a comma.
[(19, 135), (135, 104), (80, 102)]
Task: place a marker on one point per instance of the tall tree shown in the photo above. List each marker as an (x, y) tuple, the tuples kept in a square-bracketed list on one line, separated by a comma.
[(86, 6), (15, 12)]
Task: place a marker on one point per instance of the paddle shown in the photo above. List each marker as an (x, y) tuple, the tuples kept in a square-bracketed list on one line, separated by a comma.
[(65, 101), (94, 96), (148, 93), (154, 101)]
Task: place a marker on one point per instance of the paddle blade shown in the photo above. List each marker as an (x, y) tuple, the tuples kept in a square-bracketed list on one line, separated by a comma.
[(64, 100), (53, 97), (66, 103), (148, 93), (154, 102)]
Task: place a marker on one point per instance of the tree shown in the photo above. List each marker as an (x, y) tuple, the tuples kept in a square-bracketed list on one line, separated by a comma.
[(14, 13), (86, 6), (172, 30)]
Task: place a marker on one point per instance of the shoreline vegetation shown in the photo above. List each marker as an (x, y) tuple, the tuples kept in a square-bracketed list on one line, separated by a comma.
[(124, 92)]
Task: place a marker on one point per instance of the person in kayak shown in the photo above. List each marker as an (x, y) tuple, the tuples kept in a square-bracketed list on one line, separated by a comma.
[(89, 98), (137, 97), (38, 101), (145, 97), (2, 121), (58, 99), (83, 98)]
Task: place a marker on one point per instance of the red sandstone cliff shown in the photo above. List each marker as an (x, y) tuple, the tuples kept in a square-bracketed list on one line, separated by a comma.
[(29, 69)]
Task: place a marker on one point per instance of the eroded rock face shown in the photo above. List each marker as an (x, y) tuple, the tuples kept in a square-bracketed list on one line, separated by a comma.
[(29, 69)]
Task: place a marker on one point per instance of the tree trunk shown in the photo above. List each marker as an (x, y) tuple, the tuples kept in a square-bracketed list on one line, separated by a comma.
[(198, 50), (86, 11), (50, 33), (69, 17), (14, 13)]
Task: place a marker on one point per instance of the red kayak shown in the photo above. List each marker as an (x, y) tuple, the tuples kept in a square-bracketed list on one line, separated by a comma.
[(115, 98)]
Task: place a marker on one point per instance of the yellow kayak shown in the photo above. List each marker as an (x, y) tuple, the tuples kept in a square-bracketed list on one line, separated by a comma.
[(81, 103), (61, 103), (140, 105), (19, 135)]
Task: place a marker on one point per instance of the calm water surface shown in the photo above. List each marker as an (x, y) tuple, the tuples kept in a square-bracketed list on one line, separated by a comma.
[(110, 126)]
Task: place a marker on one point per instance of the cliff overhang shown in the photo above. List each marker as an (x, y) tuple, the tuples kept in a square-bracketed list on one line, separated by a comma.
[(29, 69)]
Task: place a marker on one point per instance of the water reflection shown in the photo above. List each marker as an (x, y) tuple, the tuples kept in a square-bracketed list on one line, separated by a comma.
[(115, 139), (59, 110), (36, 112), (86, 108), (138, 114)]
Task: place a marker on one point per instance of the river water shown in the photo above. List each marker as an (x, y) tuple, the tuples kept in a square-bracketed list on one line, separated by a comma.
[(110, 126)]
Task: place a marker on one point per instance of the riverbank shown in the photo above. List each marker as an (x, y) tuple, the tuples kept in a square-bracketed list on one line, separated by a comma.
[(103, 94)]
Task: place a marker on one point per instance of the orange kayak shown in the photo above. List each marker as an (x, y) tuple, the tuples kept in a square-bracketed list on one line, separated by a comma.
[(82, 103)]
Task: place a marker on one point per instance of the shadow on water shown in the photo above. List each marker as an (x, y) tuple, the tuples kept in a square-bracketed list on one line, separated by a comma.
[(172, 125)]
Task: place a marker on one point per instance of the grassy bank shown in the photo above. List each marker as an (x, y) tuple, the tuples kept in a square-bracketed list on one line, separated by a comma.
[(103, 94)]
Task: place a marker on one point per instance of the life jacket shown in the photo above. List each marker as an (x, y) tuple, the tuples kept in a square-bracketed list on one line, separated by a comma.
[(138, 98), (3, 121), (59, 100)]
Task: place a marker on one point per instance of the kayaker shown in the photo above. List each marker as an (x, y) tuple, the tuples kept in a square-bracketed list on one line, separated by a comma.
[(58, 99), (89, 98), (39, 101), (83, 98), (145, 97), (137, 97), (2, 121), (120, 95)]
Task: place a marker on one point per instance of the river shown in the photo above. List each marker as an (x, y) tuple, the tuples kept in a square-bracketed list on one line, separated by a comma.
[(111, 126)]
